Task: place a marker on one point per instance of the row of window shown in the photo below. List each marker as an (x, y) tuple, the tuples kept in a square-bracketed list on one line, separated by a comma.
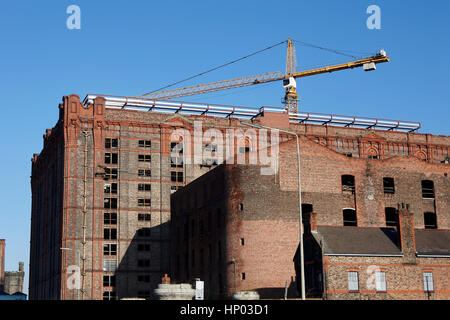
[(112, 143), (111, 203), (111, 233), (348, 184), (113, 158), (380, 281), (391, 217), (110, 249)]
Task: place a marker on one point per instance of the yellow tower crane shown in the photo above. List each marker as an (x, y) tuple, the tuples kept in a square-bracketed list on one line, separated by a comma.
[(289, 79)]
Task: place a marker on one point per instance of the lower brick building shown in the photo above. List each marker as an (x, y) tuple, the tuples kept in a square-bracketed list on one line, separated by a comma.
[(374, 228)]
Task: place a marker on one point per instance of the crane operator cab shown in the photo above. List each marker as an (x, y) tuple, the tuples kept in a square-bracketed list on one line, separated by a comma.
[(289, 83), (371, 66)]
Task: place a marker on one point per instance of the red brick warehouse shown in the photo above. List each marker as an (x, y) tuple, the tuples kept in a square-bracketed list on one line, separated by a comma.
[(101, 190)]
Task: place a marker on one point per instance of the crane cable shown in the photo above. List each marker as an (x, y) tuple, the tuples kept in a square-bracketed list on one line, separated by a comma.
[(221, 66), (327, 49), (252, 54)]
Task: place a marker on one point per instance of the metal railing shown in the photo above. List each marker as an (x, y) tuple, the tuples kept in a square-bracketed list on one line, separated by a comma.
[(193, 108)]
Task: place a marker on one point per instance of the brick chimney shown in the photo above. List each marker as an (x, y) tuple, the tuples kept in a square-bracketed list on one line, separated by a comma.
[(407, 237), (2, 263)]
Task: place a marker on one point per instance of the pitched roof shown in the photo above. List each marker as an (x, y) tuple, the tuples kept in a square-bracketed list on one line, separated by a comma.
[(379, 241), (358, 241), (433, 242)]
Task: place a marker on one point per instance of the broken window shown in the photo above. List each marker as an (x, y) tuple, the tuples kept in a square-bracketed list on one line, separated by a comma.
[(176, 147), (427, 189), (110, 234), (109, 295), (111, 158), (174, 189), (110, 249), (110, 188), (375, 157), (111, 143), (349, 216), (348, 183), (144, 187), (109, 218), (176, 176), (430, 220), (111, 174), (176, 162), (388, 185), (109, 281), (110, 203), (391, 216), (144, 202), (144, 158), (244, 149), (145, 144), (144, 173)]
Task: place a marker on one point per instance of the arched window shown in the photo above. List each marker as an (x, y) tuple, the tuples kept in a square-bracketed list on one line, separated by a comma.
[(349, 217), (427, 189), (430, 220)]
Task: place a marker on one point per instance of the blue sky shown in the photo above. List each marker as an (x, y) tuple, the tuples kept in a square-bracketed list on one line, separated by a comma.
[(133, 47)]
